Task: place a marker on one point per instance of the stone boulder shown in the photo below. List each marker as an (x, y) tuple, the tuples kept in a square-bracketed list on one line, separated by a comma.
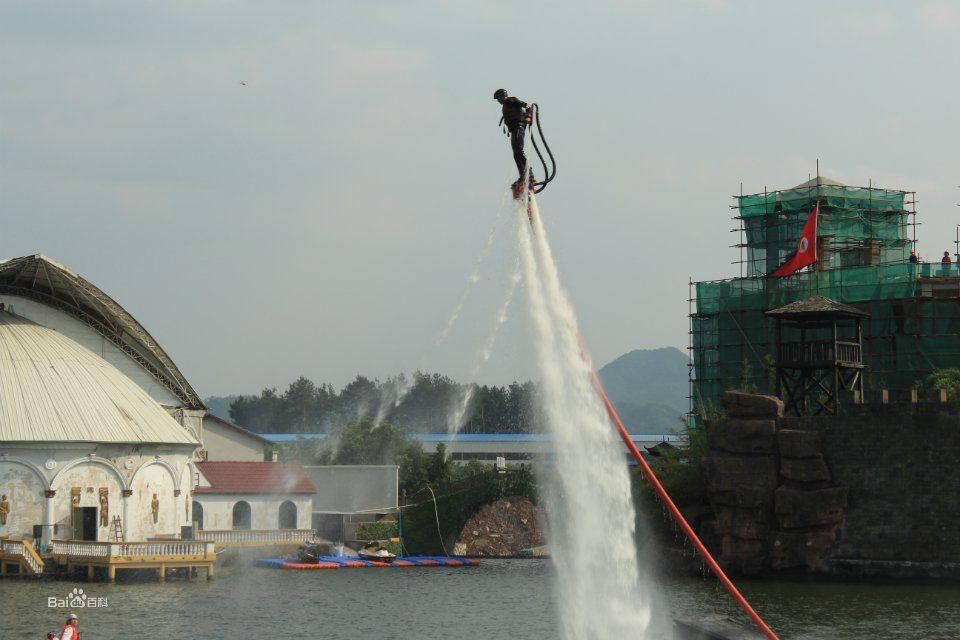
[(806, 549), (805, 469), (796, 443), (745, 556), (731, 473), (739, 435), (743, 523), (798, 508), (740, 404), (740, 481)]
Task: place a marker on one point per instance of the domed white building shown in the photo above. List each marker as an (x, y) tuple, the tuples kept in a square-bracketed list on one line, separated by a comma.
[(98, 427)]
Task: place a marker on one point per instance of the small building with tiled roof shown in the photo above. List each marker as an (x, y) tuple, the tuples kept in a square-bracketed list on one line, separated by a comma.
[(263, 496)]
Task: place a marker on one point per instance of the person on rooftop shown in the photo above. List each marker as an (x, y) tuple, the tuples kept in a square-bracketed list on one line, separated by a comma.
[(946, 258), (913, 256)]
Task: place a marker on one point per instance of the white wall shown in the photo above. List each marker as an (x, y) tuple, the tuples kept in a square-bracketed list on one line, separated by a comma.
[(264, 510), (27, 470), (225, 443), (89, 477), (24, 493)]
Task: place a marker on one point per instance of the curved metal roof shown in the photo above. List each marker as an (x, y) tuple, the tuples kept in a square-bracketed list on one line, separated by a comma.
[(39, 278), (55, 389)]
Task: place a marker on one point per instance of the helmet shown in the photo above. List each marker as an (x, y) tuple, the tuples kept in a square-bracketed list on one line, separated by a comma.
[(72, 616), (499, 93)]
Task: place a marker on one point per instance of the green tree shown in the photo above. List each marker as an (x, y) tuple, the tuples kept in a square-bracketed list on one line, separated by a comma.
[(361, 397), (948, 379), (439, 466), (363, 442)]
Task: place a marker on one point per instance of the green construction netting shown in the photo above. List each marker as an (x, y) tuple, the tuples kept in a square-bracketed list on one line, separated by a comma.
[(853, 284), (910, 332), (862, 234), (836, 196), (858, 226)]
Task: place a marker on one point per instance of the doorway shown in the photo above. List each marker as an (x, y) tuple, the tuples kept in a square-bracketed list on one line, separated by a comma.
[(241, 515), (197, 513), (288, 515), (84, 523)]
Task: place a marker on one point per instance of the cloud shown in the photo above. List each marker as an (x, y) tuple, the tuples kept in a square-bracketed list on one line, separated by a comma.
[(940, 15)]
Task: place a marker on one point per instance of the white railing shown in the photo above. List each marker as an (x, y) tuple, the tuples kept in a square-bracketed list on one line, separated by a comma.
[(24, 550), (254, 536), (153, 548), (157, 548)]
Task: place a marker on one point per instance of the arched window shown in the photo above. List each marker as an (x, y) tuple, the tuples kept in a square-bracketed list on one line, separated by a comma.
[(288, 515), (241, 515), (197, 516)]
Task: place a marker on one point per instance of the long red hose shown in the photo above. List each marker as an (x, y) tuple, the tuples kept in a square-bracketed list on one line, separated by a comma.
[(675, 512), (666, 500)]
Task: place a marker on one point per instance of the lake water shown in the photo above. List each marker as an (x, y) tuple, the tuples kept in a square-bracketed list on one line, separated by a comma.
[(499, 599)]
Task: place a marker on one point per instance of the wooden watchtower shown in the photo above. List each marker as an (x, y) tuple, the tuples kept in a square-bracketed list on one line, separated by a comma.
[(819, 353)]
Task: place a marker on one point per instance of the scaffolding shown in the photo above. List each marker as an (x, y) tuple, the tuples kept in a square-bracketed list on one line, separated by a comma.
[(864, 239)]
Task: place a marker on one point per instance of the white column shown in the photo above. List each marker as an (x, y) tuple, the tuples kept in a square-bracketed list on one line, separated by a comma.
[(47, 517), (126, 493)]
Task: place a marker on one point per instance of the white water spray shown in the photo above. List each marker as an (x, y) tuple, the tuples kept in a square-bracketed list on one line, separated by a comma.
[(601, 591), (455, 421), (472, 282), (395, 396)]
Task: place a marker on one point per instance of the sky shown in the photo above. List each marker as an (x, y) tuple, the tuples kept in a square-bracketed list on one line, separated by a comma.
[(282, 189)]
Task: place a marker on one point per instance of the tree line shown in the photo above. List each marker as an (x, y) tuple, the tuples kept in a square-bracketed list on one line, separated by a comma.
[(366, 442), (424, 403)]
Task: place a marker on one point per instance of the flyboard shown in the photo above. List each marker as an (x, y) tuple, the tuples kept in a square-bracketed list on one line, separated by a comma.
[(521, 188)]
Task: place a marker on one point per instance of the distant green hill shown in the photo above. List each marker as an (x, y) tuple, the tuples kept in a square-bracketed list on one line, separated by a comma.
[(649, 388), (220, 405)]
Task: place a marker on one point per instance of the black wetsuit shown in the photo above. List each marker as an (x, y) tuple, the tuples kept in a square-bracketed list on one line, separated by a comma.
[(514, 111)]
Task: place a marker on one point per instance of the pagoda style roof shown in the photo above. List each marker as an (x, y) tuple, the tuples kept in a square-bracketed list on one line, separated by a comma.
[(816, 308), (819, 181)]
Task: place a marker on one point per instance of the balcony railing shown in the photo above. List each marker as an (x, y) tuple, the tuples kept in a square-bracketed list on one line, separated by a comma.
[(253, 537), (96, 550), (25, 551), (815, 352), (938, 270)]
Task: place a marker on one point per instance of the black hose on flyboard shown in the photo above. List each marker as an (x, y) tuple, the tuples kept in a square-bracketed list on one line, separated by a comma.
[(549, 173)]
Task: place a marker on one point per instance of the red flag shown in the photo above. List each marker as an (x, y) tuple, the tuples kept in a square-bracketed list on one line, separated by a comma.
[(806, 252)]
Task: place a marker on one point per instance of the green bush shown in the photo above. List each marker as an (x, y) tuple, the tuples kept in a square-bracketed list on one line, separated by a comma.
[(679, 473), (419, 522), (377, 530), (948, 379)]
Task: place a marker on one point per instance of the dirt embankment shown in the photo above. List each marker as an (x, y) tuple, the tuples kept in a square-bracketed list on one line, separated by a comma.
[(506, 527)]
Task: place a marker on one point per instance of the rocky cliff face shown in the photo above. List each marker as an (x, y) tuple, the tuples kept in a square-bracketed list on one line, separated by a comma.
[(776, 503)]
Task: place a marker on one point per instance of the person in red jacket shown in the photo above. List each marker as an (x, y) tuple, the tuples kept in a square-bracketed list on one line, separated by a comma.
[(70, 631)]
